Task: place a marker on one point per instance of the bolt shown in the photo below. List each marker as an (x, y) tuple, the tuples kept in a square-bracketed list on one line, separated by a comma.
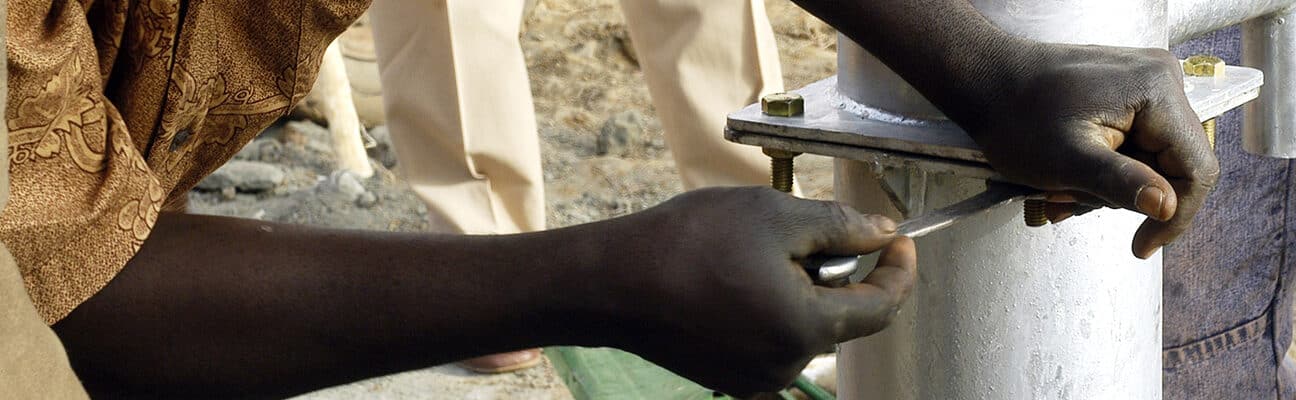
[(1034, 212), (783, 104), (1205, 66), (1209, 127), (781, 173)]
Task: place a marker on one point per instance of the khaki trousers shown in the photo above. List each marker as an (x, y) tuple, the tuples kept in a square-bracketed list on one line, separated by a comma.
[(33, 364), (459, 107)]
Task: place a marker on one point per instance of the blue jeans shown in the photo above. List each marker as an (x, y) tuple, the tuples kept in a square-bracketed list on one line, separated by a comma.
[(1227, 287)]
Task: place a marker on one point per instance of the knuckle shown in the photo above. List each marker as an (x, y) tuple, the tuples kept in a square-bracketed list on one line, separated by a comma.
[(1206, 173), (836, 217), (885, 316)]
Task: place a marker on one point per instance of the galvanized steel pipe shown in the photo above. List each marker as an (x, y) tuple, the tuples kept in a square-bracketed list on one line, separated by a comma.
[(1003, 311), (1269, 44), (1189, 18)]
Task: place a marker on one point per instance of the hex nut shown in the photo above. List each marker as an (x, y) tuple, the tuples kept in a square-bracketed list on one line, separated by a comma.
[(783, 104), (1204, 65), (778, 153)]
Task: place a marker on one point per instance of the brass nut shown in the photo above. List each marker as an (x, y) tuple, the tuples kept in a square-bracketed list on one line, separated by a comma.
[(783, 104), (776, 153), (1204, 65)]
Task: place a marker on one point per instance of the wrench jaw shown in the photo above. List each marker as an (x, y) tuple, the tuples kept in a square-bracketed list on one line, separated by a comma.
[(835, 271), (831, 271)]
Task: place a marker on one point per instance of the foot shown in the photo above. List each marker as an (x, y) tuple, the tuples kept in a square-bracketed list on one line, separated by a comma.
[(503, 362)]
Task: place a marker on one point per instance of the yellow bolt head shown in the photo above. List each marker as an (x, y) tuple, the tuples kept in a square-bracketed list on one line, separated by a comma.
[(783, 104), (1202, 65)]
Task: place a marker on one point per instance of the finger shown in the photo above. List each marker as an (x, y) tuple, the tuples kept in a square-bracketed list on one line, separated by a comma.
[(1122, 181), (865, 308), (1153, 234), (1060, 197), (1073, 196), (1058, 212), (1170, 129), (830, 227)]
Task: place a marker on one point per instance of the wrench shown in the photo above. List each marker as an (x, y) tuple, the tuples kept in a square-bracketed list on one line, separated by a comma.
[(831, 270)]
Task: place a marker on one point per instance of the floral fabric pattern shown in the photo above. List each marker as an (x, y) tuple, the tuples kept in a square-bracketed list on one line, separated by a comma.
[(118, 107)]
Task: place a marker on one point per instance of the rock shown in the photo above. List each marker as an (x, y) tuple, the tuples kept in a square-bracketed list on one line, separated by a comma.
[(249, 152), (348, 184), (622, 134), (246, 176), (382, 151), (228, 193), (626, 47), (366, 200), (304, 134), (269, 150), (261, 150)]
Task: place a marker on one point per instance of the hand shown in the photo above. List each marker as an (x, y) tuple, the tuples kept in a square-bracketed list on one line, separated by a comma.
[(725, 302), (1103, 126)]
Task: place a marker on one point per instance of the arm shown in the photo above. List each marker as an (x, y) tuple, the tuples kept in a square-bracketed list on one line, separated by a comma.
[(238, 308), (1103, 125)]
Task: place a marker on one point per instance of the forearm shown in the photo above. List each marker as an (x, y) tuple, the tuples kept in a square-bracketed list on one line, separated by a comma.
[(946, 49), (218, 305)]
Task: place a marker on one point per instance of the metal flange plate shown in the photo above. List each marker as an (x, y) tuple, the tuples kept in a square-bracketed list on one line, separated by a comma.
[(836, 126)]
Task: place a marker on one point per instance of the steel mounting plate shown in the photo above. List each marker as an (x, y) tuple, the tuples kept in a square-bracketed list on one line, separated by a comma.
[(836, 126)]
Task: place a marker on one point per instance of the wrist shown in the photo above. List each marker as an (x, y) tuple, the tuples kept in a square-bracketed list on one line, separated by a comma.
[(586, 280), (997, 73)]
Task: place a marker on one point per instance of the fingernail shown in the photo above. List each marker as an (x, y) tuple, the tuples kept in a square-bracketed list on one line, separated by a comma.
[(884, 224), (1149, 252), (1151, 201)]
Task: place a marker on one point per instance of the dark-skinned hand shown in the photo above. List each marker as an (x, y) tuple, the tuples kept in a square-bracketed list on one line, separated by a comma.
[(724, 299), (1103, 126), (1098, 125)]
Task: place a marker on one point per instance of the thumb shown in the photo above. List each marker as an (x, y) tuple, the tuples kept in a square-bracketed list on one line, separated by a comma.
[(1121, 181), (867, 307)]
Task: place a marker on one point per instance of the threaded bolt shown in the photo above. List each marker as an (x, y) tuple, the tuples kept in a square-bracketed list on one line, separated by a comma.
[(1034, 212), (1209, 127), (1205, 66), (782, 174)]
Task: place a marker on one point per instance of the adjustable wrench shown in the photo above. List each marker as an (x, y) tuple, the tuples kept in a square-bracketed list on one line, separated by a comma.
[(835, 270)]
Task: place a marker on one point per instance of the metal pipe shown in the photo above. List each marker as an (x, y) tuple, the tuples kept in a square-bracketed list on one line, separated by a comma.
[(1002, 310), (1189, 18), (1140, 23), (1269, 43)]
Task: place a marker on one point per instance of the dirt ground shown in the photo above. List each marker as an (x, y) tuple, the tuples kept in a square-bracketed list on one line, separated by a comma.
[(583, 73)]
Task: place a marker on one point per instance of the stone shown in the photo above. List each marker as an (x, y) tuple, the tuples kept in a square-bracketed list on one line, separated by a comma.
[(249, 152), (261, 150), (305, 134), (245, 176), (382, 150), (366, 200), (269, 150), (348, 184), (621, 135)]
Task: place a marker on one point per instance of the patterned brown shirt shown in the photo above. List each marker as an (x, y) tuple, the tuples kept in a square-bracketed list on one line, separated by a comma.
[(117, 107)]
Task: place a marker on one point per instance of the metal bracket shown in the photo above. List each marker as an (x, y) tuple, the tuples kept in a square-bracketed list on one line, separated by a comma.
[(836, 126)]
